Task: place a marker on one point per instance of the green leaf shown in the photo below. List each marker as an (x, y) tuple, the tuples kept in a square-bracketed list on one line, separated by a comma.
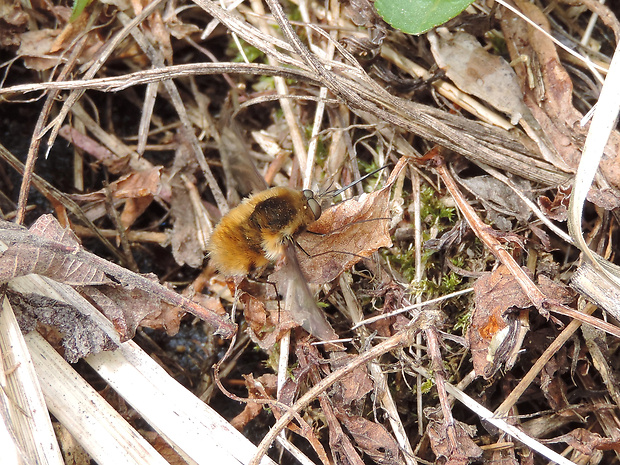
[(78, 7), (418, 16)]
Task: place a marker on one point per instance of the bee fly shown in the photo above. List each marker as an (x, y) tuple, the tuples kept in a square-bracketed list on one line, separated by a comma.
[(261, 230)]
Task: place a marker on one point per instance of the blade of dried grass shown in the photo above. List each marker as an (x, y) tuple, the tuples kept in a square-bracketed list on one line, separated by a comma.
[(533, 372), (485, 233), (499, 423), (193, 428), (22, 406), (404, 338), (408, 308), (100, 429), (118, 83), (145, 119), (587, 281), (288, 108), (419, 275), (603, 123), (384, 395)]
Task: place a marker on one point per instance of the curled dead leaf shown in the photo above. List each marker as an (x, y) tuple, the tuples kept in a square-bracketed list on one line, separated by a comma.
[(347, 233), (126, 298), (77, 334), (491, 330), (137, 190), (464, 451), (373, 438)]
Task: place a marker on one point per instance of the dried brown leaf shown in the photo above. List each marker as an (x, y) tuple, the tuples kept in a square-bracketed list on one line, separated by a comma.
[(139, 184), (128, 298), (556, 209), (554, 388), (135, 185), (476, 71), (556, 290), (373, 439), (499, 199), (265, 329), (263, 387), (47, 250), (187, 249), (137, 189), (78, 335), (495, 294), (129, 308), (463, 452), (367, 40), (543, 237), (160, 34), (353, 386), (554, 109), (72, 451), (133, 209), (163, 447), (13, 22), (180, 30), (34, 48), (40, 49), (586, 441), (190, 229), (346, 233)]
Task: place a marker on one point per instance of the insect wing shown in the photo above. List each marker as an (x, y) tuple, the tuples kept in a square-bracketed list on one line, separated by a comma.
[(300, 302)]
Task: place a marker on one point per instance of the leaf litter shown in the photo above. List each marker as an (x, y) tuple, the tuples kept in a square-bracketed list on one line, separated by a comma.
[(125, 298), (170, 195)]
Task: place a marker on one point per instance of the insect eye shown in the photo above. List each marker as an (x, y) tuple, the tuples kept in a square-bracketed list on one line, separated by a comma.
[(312, 203), (315, 207)]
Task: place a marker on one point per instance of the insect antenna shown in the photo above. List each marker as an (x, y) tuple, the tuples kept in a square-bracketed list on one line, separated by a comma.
[(336, 192)]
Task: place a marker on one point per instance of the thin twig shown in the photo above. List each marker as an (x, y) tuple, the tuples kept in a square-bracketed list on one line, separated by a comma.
[(486, 235), (401, 339)]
